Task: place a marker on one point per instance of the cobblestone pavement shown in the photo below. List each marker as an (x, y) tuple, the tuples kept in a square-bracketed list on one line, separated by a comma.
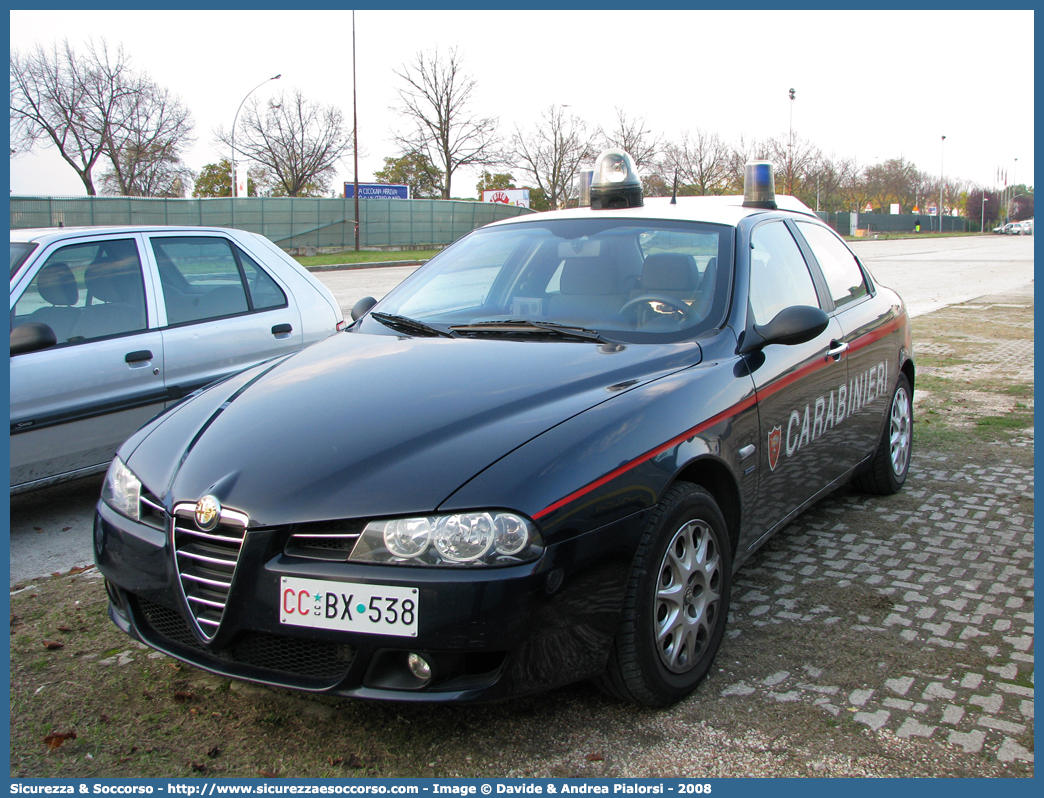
[(946, 567)]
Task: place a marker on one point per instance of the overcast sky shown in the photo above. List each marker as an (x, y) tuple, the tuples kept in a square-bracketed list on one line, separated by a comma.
[(872, 85)]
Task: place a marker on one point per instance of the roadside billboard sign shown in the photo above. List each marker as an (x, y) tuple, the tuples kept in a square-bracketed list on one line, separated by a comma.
[(508, 196), (377, 191)]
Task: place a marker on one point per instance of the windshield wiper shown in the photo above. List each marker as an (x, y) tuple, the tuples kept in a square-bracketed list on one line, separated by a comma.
[(526, 327), (405, 324)]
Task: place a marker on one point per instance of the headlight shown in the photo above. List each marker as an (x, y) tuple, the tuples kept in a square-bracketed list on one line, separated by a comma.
[(122, 490), (476, 538)]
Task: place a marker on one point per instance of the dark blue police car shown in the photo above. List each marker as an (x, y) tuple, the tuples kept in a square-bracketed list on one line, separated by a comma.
[(540, 459)]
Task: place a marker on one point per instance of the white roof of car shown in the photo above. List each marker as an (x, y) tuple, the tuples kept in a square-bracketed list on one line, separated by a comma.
[(713, 209), (46, 234)]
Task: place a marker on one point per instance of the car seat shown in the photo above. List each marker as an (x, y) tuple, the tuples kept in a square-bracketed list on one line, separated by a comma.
[(117, 283), (57, 286), (591, 293)]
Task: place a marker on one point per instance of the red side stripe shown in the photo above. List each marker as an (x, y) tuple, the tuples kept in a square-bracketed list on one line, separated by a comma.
[(729, 413)]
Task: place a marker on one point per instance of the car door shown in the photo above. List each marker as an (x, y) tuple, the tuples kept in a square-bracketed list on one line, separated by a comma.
[(222, 312), (74, 403), (868, 334), (801, 388)]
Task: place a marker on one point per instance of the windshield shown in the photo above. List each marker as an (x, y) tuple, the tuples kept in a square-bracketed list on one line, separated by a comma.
[(19, 252), (626, 279)]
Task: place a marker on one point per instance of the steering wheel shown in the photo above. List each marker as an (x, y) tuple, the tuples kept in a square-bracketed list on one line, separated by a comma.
[(671, 302)]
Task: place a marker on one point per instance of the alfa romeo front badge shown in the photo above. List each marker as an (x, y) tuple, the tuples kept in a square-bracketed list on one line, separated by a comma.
[(208, 513)]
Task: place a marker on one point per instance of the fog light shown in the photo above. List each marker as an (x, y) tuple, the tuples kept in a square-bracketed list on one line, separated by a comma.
[(419, 667)]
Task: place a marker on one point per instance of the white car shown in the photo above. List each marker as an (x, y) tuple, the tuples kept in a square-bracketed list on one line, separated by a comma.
[(110, 325)]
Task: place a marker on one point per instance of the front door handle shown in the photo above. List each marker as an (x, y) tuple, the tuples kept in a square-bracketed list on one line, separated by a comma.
[(282, 329), (137, 357), (837, 348)]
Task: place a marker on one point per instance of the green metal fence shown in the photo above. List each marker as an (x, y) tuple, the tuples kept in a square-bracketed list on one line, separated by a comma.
[(847, 223), (291, 222)]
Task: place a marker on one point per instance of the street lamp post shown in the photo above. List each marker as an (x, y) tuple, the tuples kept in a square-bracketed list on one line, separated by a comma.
[(355, 136), (941, 181), (790, 168), (983, 222), (1014, 183), (236, 119)]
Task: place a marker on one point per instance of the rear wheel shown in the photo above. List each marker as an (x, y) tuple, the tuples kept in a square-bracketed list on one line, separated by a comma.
[(891, 463), (676, 604)]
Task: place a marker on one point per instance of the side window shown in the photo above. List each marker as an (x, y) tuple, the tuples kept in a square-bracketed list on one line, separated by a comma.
[(201, 279), (87, 291), (843, 275), (779, 276), (264, 292)]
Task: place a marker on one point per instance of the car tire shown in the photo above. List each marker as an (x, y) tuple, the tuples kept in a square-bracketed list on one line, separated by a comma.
[(891, 462), (676, 604)]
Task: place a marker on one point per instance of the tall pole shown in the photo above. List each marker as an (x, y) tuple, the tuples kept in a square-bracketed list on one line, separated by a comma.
[(790, 168), (1014, 183), (355, 136), (236, 119), (941, 180)]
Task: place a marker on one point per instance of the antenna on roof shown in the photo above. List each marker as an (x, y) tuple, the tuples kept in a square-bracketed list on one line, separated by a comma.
[(674, 193)]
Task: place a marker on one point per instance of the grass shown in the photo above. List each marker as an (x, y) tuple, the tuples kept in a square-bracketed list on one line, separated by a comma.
[(353, 257), (974, 390)]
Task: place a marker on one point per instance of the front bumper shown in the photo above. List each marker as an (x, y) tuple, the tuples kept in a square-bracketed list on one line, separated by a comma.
[(488, 633)]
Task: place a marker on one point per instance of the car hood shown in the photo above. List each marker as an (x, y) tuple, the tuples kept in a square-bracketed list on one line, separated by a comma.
[(366, 425)]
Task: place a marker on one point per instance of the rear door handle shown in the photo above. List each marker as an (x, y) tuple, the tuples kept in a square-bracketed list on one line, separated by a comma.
[(137, 357), (282, 329), (837, 349)]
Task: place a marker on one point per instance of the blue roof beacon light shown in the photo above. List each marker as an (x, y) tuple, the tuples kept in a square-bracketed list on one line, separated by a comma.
[(615, 183), (759, 185)]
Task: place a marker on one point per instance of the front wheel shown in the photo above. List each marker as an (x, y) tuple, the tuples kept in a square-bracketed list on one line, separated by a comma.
[(676, 604), (891, 463)]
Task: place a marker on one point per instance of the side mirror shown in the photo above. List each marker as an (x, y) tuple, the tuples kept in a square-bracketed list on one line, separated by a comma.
[(31, 337), (794, 325), (362, 307)]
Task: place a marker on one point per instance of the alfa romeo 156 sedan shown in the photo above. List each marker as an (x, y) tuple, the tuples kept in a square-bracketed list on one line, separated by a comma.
[(538, 460)]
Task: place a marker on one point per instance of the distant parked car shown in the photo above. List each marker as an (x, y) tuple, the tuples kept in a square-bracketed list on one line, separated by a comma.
[(111, 325)]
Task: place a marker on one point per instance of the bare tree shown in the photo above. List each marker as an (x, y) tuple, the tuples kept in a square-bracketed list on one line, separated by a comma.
[(794, 159), (699, 161), (145, 144), (856, 190), (830, 175), (69, 102), (296, 140), (631, 136), (552, 154), (437, 103)]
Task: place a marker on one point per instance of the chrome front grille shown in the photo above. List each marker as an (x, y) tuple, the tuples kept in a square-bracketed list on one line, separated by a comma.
[(206, 563), (150, 511), (324, 540)]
